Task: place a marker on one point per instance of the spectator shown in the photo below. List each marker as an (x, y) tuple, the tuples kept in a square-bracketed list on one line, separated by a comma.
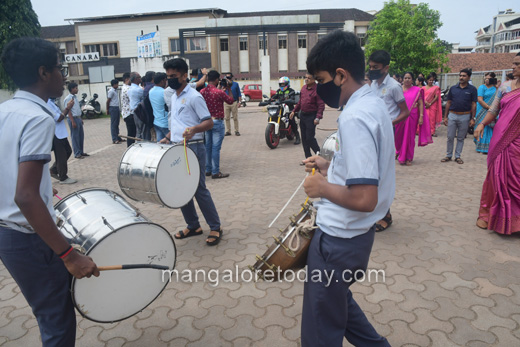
[(113, 111), (160, 114), (75, 122), (232, 109), (126, 111)]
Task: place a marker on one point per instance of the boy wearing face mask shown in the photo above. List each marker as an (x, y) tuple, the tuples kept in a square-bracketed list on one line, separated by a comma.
[(388, 89), (356, 189)]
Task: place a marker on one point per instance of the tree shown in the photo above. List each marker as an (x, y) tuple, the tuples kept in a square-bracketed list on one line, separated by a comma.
[(409, 33), (17, 19)]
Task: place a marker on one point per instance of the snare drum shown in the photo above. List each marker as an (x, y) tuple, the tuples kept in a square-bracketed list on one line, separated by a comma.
[(327, 150), (289, 250), (101, 224), (158, 173)]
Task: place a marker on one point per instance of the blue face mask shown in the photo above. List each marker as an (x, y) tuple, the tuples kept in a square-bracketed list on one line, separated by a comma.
[(329, 93)]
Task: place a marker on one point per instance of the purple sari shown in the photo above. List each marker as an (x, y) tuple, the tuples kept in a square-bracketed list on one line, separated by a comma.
[(405, 131), (500, 200)]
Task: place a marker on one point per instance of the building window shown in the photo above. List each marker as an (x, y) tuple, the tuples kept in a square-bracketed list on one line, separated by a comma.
[(104, 49), (175, 45), (302, 41), (196, 44), (261, 42), (362, 39), (242, 43), (282, 42), (224, 45)]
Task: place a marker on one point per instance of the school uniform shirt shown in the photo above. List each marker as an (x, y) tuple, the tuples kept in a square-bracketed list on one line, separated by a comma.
[(61, 129), (363, 154), (75, 110), (392, 94), (114, 98), (188, 109), (26, 134)]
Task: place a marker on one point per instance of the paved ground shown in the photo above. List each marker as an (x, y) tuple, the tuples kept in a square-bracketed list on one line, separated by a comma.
[(448, 283)]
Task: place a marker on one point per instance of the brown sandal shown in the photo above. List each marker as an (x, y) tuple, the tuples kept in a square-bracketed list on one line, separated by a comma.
[(482, 224), (459, 161), (444, 160)]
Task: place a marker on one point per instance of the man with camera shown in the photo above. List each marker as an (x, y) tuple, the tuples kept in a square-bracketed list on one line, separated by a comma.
[(234, 92), (215, 98)]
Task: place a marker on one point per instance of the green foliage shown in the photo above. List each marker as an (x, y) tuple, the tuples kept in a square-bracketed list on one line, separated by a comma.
[(409, 33), (17, 19)]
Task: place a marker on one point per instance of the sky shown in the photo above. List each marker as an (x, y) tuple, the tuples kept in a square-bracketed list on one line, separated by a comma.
[(460, 18)]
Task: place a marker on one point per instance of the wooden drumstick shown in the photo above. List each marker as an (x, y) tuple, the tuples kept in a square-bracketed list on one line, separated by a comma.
[(130, 137), (133, 266)]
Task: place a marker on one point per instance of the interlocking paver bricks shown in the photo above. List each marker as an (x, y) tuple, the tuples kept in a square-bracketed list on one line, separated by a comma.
[(447, 283)]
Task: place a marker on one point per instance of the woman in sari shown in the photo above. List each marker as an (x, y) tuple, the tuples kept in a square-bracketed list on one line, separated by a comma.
[(405, 131), (486, 95), (500, 200), (433, 103)]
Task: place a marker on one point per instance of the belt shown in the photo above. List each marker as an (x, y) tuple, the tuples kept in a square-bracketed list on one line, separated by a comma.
[(189, 142), (461, 113), (218, 118)]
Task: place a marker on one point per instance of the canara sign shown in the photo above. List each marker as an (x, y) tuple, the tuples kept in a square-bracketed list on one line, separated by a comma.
[(78, 58)]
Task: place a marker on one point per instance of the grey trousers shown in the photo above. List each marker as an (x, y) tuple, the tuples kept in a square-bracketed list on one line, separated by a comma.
[(457, 126)]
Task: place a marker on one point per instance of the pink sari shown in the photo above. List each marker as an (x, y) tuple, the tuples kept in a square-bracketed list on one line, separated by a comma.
[(500, 200), (405, 131), (435, 110)]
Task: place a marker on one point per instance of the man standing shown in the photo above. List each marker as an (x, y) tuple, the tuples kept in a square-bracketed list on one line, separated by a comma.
[(215, 99), (125, 109), (459, 114), (311, 109), (356, 189), (33, 250), (156, 95), (391, 92), (113, 111), (234, 91), (190, 117), (60, 144), (135, 93), (75, 122)]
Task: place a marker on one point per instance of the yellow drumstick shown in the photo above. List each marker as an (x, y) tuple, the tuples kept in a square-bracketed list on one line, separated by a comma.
[(307, 200)]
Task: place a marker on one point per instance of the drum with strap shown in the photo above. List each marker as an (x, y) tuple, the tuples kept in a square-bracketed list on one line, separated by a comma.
[(327, 150), (101, 224)]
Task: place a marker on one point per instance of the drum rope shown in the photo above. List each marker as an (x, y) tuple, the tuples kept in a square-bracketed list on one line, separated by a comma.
[(303, 227), (186, 157)]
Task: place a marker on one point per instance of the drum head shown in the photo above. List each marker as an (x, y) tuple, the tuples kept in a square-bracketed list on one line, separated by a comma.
[(119, 294), (175, 186)]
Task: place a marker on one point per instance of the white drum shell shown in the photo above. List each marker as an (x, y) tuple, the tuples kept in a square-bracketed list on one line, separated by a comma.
[(102, 225), (158, 173), (327, 150)]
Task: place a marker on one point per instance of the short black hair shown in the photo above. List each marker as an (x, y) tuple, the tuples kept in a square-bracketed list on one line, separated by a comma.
[(114, 81), (178, 64), (381, 57), (71, 86), (421, 80), (229, 74), (23, 57), (432, 75), (338, 49), (213, 75), (467, 71), (126, 76), (490, 74), (159, 77), (194, 72), (148, 77), (510, 76)]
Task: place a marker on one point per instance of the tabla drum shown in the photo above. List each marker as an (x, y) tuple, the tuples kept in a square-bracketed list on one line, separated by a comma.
[(327, 150), (290, 249), (158, 173), (101, 224)]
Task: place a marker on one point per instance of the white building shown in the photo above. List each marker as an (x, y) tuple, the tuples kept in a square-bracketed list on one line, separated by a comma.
[(502, 36)]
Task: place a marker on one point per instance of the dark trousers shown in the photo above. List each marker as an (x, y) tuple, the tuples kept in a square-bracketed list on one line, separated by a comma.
[(44, 282), (114, 122), (330, 313), (203, 196), (130, 129), (62, 152), (308, 133)]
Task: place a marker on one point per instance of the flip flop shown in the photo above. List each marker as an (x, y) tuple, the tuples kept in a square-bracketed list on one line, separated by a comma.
[(190, 233), (216, 238)]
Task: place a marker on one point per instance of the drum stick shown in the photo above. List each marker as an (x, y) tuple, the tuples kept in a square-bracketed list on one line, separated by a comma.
[(130, 138), (133, 266), (288, 201), (327, 129), (56, 195)]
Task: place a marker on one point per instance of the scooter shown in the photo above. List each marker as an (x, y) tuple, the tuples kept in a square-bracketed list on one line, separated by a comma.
[(92, 109), (243, 101), (278, 126), (82, 102)]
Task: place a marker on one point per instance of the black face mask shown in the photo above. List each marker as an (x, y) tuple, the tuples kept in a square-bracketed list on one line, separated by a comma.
[(174, 83), (329, 93), (375, 74)]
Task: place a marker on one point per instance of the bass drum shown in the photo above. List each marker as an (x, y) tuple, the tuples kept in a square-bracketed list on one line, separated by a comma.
[(327, 150), (158, 173), (101, 224)]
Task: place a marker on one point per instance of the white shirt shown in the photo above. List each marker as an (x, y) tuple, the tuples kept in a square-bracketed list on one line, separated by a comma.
[(75, 110), (392, 94), (61, 129), (114, 98), (26, 133), (364, 154), (187, 110)]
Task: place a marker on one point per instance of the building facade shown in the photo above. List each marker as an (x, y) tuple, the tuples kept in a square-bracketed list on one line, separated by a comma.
[(502, 36)]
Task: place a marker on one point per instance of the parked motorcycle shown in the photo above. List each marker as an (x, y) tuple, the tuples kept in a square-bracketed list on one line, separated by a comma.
[(243, 101), (92, 108), (82, 102), (444, 98), (278, 126)]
